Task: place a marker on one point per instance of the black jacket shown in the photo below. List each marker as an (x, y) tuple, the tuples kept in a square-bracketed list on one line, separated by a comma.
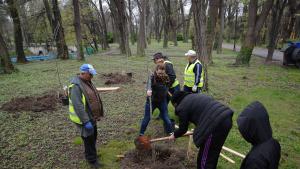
[(159, 90), (203, 111), (171, 73), (255, 127)]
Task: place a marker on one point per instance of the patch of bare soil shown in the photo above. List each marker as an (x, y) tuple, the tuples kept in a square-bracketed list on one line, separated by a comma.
[(117, 78), (160, 157), (45, 102)]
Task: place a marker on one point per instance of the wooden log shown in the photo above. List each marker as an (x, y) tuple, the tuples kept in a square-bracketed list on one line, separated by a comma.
[(107, 89), (227, 158), (233, 152)]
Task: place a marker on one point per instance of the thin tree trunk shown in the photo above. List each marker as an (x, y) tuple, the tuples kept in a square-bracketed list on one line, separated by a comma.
[(131, 26), (105, 44), (199, 12), (185, 38), (58, 32), (255, 23), (276, 16), (18, 37), (235, 26), (167, 16), (5, 62), (77, 26), (142, 35), (222, 18), (211, 25), (121, 22), (157, 19)]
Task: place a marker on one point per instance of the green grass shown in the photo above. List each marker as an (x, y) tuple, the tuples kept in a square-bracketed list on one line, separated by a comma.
[(50, 140)]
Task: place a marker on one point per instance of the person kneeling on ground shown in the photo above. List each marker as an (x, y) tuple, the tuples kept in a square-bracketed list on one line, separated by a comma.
[(85, 108), (157, 92), (254, 125), (212, 121)]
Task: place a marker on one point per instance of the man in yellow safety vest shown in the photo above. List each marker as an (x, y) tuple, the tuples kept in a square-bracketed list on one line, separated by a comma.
[(85, 109), (193, 73)]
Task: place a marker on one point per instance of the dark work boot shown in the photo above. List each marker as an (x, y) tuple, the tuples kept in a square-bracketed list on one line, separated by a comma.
[(95, 165)]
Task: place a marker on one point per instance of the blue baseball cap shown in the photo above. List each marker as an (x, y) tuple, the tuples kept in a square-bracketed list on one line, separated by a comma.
[(88, 68)]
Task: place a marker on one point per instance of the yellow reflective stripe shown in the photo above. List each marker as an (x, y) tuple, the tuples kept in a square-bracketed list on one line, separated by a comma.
[(189, 75)]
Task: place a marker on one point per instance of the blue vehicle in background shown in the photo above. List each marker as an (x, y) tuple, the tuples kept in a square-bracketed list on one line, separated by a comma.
[(292, 54)]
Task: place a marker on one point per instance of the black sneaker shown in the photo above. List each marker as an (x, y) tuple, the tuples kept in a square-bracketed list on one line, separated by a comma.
[(95, 165)]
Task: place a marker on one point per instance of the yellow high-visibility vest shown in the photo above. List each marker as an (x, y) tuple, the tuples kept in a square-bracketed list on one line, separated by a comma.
[(189, 75), (176, 82), (72, 114)]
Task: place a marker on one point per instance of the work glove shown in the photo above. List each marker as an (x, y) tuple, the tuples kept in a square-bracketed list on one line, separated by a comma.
[(194, 89), (149, 93), (88, 125)]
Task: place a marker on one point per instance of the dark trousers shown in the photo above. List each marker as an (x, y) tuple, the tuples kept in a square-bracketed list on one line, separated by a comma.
[(189, 89), (209, 151), (90, 146)]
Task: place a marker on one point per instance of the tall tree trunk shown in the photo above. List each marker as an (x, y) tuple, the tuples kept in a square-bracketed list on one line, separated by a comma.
[(255, 23), (58, 30), (167, 18), (188, 23), (142, 35), (199, 12), (157, 18), (18, 37), (185, 38), (131, 25), (77, 26), (277, 11), (121, 22), (5, 62), (105, 44), (211, 25), (235, 26), (288, 27), (221, 27), (173, 21)]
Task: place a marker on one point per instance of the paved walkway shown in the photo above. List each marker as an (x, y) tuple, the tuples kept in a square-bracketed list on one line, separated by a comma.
[(262, 52)]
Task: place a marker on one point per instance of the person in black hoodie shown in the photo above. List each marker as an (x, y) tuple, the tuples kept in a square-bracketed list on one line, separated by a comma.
[(157, 92), (254, 125), (212, 119)]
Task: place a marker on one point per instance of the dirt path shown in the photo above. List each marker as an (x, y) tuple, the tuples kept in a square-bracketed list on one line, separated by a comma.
[(262, 52)]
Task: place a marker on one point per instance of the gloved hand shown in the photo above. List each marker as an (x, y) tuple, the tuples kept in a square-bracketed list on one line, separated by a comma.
[(194, 89), (149, 93), (88, 125)]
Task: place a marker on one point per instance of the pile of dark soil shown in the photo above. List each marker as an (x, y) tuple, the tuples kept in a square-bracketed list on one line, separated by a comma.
[(160, 157), (46, 102), (117, 78)]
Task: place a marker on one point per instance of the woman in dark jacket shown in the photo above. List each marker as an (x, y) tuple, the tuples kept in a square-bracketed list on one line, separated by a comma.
[(157, 92), (213, 122), (254, 125)]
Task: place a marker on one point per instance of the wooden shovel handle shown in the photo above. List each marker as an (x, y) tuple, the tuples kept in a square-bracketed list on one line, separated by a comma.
[(167, 138)]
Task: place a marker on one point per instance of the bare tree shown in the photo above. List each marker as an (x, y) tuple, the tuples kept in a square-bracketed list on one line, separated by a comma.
[(255, 23), (77, 26), (18, 37), (288, 26), (277, 11), (5, 62), (104, 27), (211, 25), (167, 20), (221, 26), (199, 12), (142, 34), (55, 21), (131, 25)]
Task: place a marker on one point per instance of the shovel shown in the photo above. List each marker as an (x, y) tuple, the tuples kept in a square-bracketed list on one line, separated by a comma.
[(144, 142)]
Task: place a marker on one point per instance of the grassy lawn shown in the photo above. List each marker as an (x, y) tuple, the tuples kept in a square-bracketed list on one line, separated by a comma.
[(50, 140)]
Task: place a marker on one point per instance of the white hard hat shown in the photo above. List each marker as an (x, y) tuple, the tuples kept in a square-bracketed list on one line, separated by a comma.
[(190, 53)]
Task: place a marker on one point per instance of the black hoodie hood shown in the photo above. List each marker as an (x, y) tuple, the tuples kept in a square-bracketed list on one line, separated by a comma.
[(254, 124), (178, 96)]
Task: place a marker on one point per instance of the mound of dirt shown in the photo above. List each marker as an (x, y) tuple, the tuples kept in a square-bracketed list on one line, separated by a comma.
[(46, 102), (160, 157), (117, 78)]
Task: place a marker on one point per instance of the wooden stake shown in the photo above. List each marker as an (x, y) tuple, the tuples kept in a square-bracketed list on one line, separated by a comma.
[(227, 158), (233, 152), (107, 89), (189, 149)]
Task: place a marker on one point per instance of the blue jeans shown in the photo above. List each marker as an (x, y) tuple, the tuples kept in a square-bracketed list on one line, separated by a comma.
[(189, 89), (163, 108)]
